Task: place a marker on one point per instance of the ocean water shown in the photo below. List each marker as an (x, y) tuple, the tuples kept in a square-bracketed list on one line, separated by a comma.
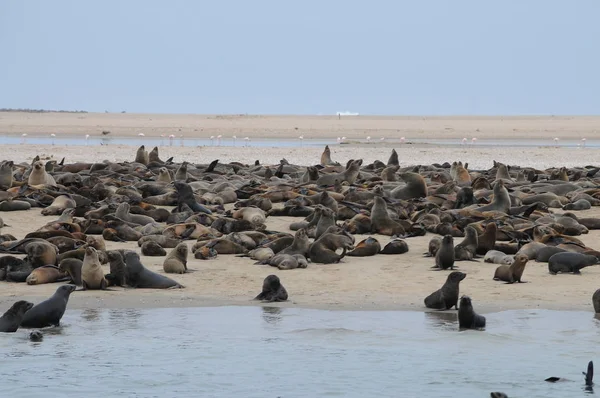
[(288, 352)]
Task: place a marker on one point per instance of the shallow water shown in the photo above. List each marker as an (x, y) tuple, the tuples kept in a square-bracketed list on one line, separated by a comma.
[(274, 352)]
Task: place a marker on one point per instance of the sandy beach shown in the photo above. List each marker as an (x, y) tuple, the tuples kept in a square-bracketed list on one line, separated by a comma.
[(375, 283)]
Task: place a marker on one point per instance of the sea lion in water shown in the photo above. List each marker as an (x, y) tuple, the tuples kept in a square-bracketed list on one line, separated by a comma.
[(45, 274), (92, 276), (366, 247), (11, 319), (570, 262), (272, 290), (444, 258), (176, 261), (512, 273), (36, 336), (153, 249), (72, 267), (49, 312), (395, 246), (39, 176), (139, 276), (447, 296), (467, 317)]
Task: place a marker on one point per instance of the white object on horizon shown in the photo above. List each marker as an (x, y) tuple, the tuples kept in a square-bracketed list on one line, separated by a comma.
[(346, 113), (181, 140), (473, 140), (212, 140), (141, 135), (247, 139), (87, 138), (402, 140), (171, 137), (556, 141), (343, 139), (339, 140), (52, 135), (369, 139), (24, 139), (219, 140), (583, 141), (382, 139), (162, 139), (301, 140), (464, 141), (234, 138)]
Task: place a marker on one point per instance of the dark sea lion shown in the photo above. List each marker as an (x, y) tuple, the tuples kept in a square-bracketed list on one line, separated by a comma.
[(467, 318), (11, 319), (415, 187), (72, 267), (272, 290), (395, 246), (466, 249), (49, 312), (14, 205), (323, 249), (596, 301), (512, 273), (185, 194), (498, 395), (444, 258), (118, 270), (36, 336), (92, 276), (544, 254), (6, 174), (45, 274), (176, 261), (139, 276), (151, 248), (447, 296), (570, 262), (464, 198), (366, 247), (580, 204)]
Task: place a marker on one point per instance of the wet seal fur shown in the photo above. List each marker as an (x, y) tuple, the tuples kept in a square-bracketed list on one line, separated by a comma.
[(11, 319), (49, 312), (272, 290), (467, 317), (447, 296)]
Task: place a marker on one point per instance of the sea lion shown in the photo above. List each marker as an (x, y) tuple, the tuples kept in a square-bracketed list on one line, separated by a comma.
[(467, 317), (139, 276), (434, 245), (151, 248), (366, 247), (570, 262), (6, 174), (163, 175), (36, 336), (580, 204), (45, 274), (466, 249), (14, 205), (487, 240), (123, 213), (596, 301), (176, 261), (11, 319), (299, 245), (395, 246), (162, 240), (49, 312), (272, 290), (250, 213), (97, 242), (141, 156), (498, 257), (544, 254), (92, 276), (415, 187), (498, 394), (39, 176), (380, 219), (185, 194), (286, 261), (205, 253), (512, 273), (447, 296), (259, 254), (118, 270), (59, 204), (501, 200), (72, 267), (41, 253), (323, 249), (444, 258)]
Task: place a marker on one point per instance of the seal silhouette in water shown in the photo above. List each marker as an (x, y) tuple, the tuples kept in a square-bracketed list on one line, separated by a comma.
[(36, 336), (11, 320), (589, 377), (50, 311), (467, 317), (272, 290), (447, 296)]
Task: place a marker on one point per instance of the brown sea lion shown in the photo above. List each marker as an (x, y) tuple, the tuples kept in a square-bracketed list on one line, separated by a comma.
[(286, 261), (141, 155), (205, 253), (512, 273), (415, 187), (487, 240), (366, 247), (359, 224), (466, 249), (6, 174), (300, 244), (176, 261), (45, 274), (97, 242), (92, 276), (39, 176), (501, 201), (444, 258), (323, 249), (58, 205), (433, 247), (41, 253), (569, 262), (72, 267), (380, 219), (153, 249), (162, 240)]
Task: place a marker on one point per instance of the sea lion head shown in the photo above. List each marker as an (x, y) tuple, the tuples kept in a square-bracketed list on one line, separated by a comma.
[(456, 276), (38, 165), (66, 290), (271, 282), (90, 251), (466, 301), (20, 307), (448, 239), (521, 258)]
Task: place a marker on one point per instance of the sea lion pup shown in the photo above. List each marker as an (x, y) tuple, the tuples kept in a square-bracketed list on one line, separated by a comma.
[(139, 276), (260, 254), (251, 213), (300, 244), (444, 258), (163, 175), (498, 257), (326, 157), (380, 219), (498, 394), (467, 317), (39, 176), (366, 247), (58, 205), (501, 200), (6, 175), (11, 319), (415, 187), (92, 276), (462, 176), (152, 249), (487, 240), (45, 274), (97, 242), (512, 273), (447, 296), (286, 261), (49, 312), (395, 246), (570, 262), (176, 261), (544, 254), (323, 249), (434, 245), (118, 271), (164, 241), (466, 249), (185, 194), (272, 290), (36, 336), (141, 156), (464, 198), (72, 267)]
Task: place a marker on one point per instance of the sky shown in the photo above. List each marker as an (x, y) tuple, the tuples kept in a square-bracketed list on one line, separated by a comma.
[(471, 57)]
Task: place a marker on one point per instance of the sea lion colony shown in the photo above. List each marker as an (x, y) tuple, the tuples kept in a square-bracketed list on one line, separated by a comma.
[(503, 213)]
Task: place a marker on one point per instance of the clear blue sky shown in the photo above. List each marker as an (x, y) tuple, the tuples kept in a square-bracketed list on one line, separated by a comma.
[(302, 57)]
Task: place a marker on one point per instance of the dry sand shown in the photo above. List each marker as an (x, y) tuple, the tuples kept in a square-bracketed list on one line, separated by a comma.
[(375, 283)]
